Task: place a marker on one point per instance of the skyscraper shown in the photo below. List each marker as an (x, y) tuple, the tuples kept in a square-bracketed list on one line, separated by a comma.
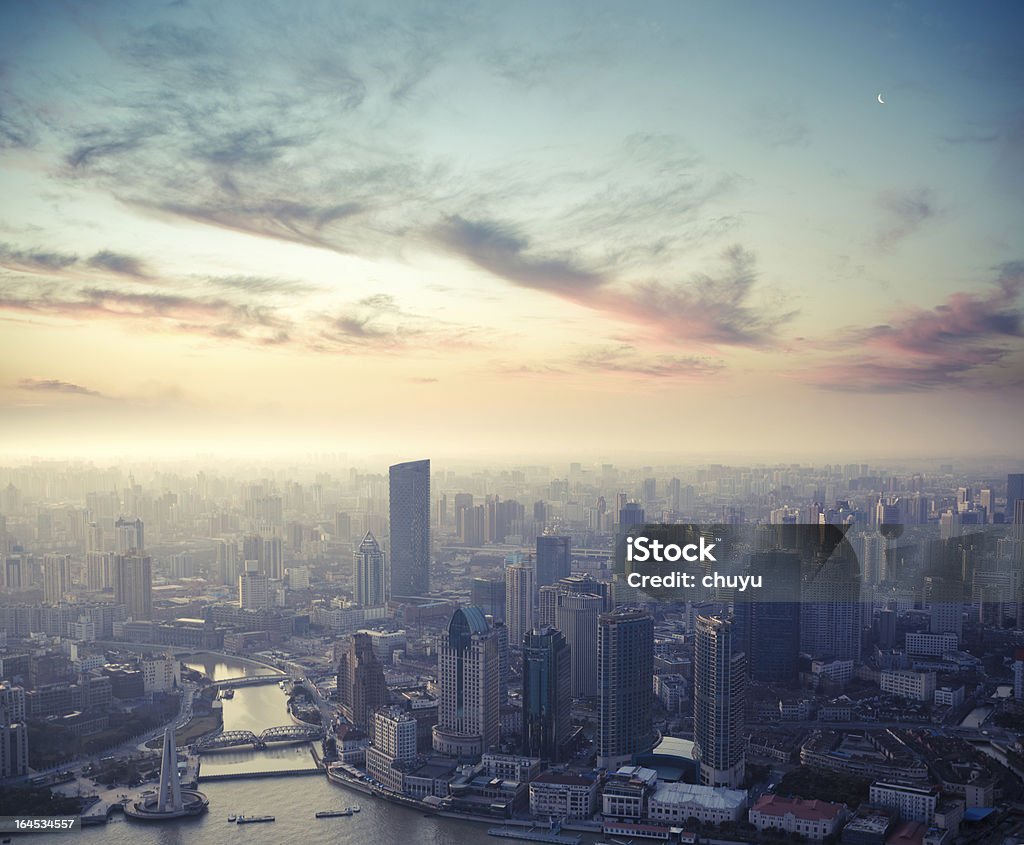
[(719, 696), (133, 584), (625, 647), (253, 588), (767, 624), (489, 595), (469, 685), (518, 602), (830, 613), (410, 528), (1014, 493), (130, 535), (361, 686), (576, 616), (56, 577), (369, 573), (554, 560), (546, 694)]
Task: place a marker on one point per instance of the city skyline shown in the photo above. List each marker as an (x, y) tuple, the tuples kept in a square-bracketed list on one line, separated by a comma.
[(353, 230)]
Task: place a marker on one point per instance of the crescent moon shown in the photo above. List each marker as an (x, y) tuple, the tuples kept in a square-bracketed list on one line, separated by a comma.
[(881, 100)]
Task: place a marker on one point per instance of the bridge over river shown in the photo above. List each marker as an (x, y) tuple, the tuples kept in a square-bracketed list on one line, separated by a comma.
[(282, 733)]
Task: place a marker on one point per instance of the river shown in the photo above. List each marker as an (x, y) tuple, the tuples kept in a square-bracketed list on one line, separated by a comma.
[(293, 800)]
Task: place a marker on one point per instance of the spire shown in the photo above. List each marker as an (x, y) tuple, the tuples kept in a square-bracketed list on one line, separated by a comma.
[(170, 785)]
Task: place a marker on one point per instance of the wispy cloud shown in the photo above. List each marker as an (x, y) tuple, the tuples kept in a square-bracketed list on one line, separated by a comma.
[(966, 341), (115, 262), (56, 386), (904, 213), (627, 359)]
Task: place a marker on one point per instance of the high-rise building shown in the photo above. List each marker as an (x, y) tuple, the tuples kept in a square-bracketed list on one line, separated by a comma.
[(56, 577), (630, 515), (253, 588), (369, 573), (546, 694), (625, 669), (130, 536), (469, 686), (410, 528), (99, 570), (361, 686), (394, 746), (830, 612), (13, 747), (271, 558), (554, 560), (489, 595), (944, 598), (1014, 494), (576, 616), (719, 697), (767, 622), (226, 565), (133, 584), (518, 602)]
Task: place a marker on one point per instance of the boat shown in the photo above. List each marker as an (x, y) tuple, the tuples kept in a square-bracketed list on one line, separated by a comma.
[(232, 817), (229, 693), (254, 819), (355, 808), (533, 835), (330, 814)]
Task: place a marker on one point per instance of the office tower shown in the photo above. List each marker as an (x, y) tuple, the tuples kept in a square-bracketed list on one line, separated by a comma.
[(502, 519), (469, 686), (441, 516), (719, 696), (130, 536), (576, 617), (675, 491), (489, 595), (767, 623), (504, 658), (1014, 494), (342, 526), (630, 515), (554, 560), (944, 599), (410, 528), (518, 602), (649, 491), (133, 584), (369, 573), (546, 694), (361, 686), (271, 558), (830, 615), (253, 588), (13, 747), (226, 566), (886, 629), (470, 525), (56, 577), (625, 669)]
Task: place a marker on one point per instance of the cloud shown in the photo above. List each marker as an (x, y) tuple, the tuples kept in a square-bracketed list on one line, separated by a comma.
[(56, 386), (34, 260), (709, 308), (126, 265), (501, 250), (627, 359), (904, 214), (968, 341)]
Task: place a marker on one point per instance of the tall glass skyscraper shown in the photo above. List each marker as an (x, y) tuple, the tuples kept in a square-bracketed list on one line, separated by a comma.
[(546, 694), (410, 528), (625, 677), (554, 560)]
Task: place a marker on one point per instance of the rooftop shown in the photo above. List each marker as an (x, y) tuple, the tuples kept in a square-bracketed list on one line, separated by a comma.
[(707, 796), (814, 810)]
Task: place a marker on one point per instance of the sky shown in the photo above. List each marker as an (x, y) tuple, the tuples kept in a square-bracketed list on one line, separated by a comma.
[(493, 229)]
